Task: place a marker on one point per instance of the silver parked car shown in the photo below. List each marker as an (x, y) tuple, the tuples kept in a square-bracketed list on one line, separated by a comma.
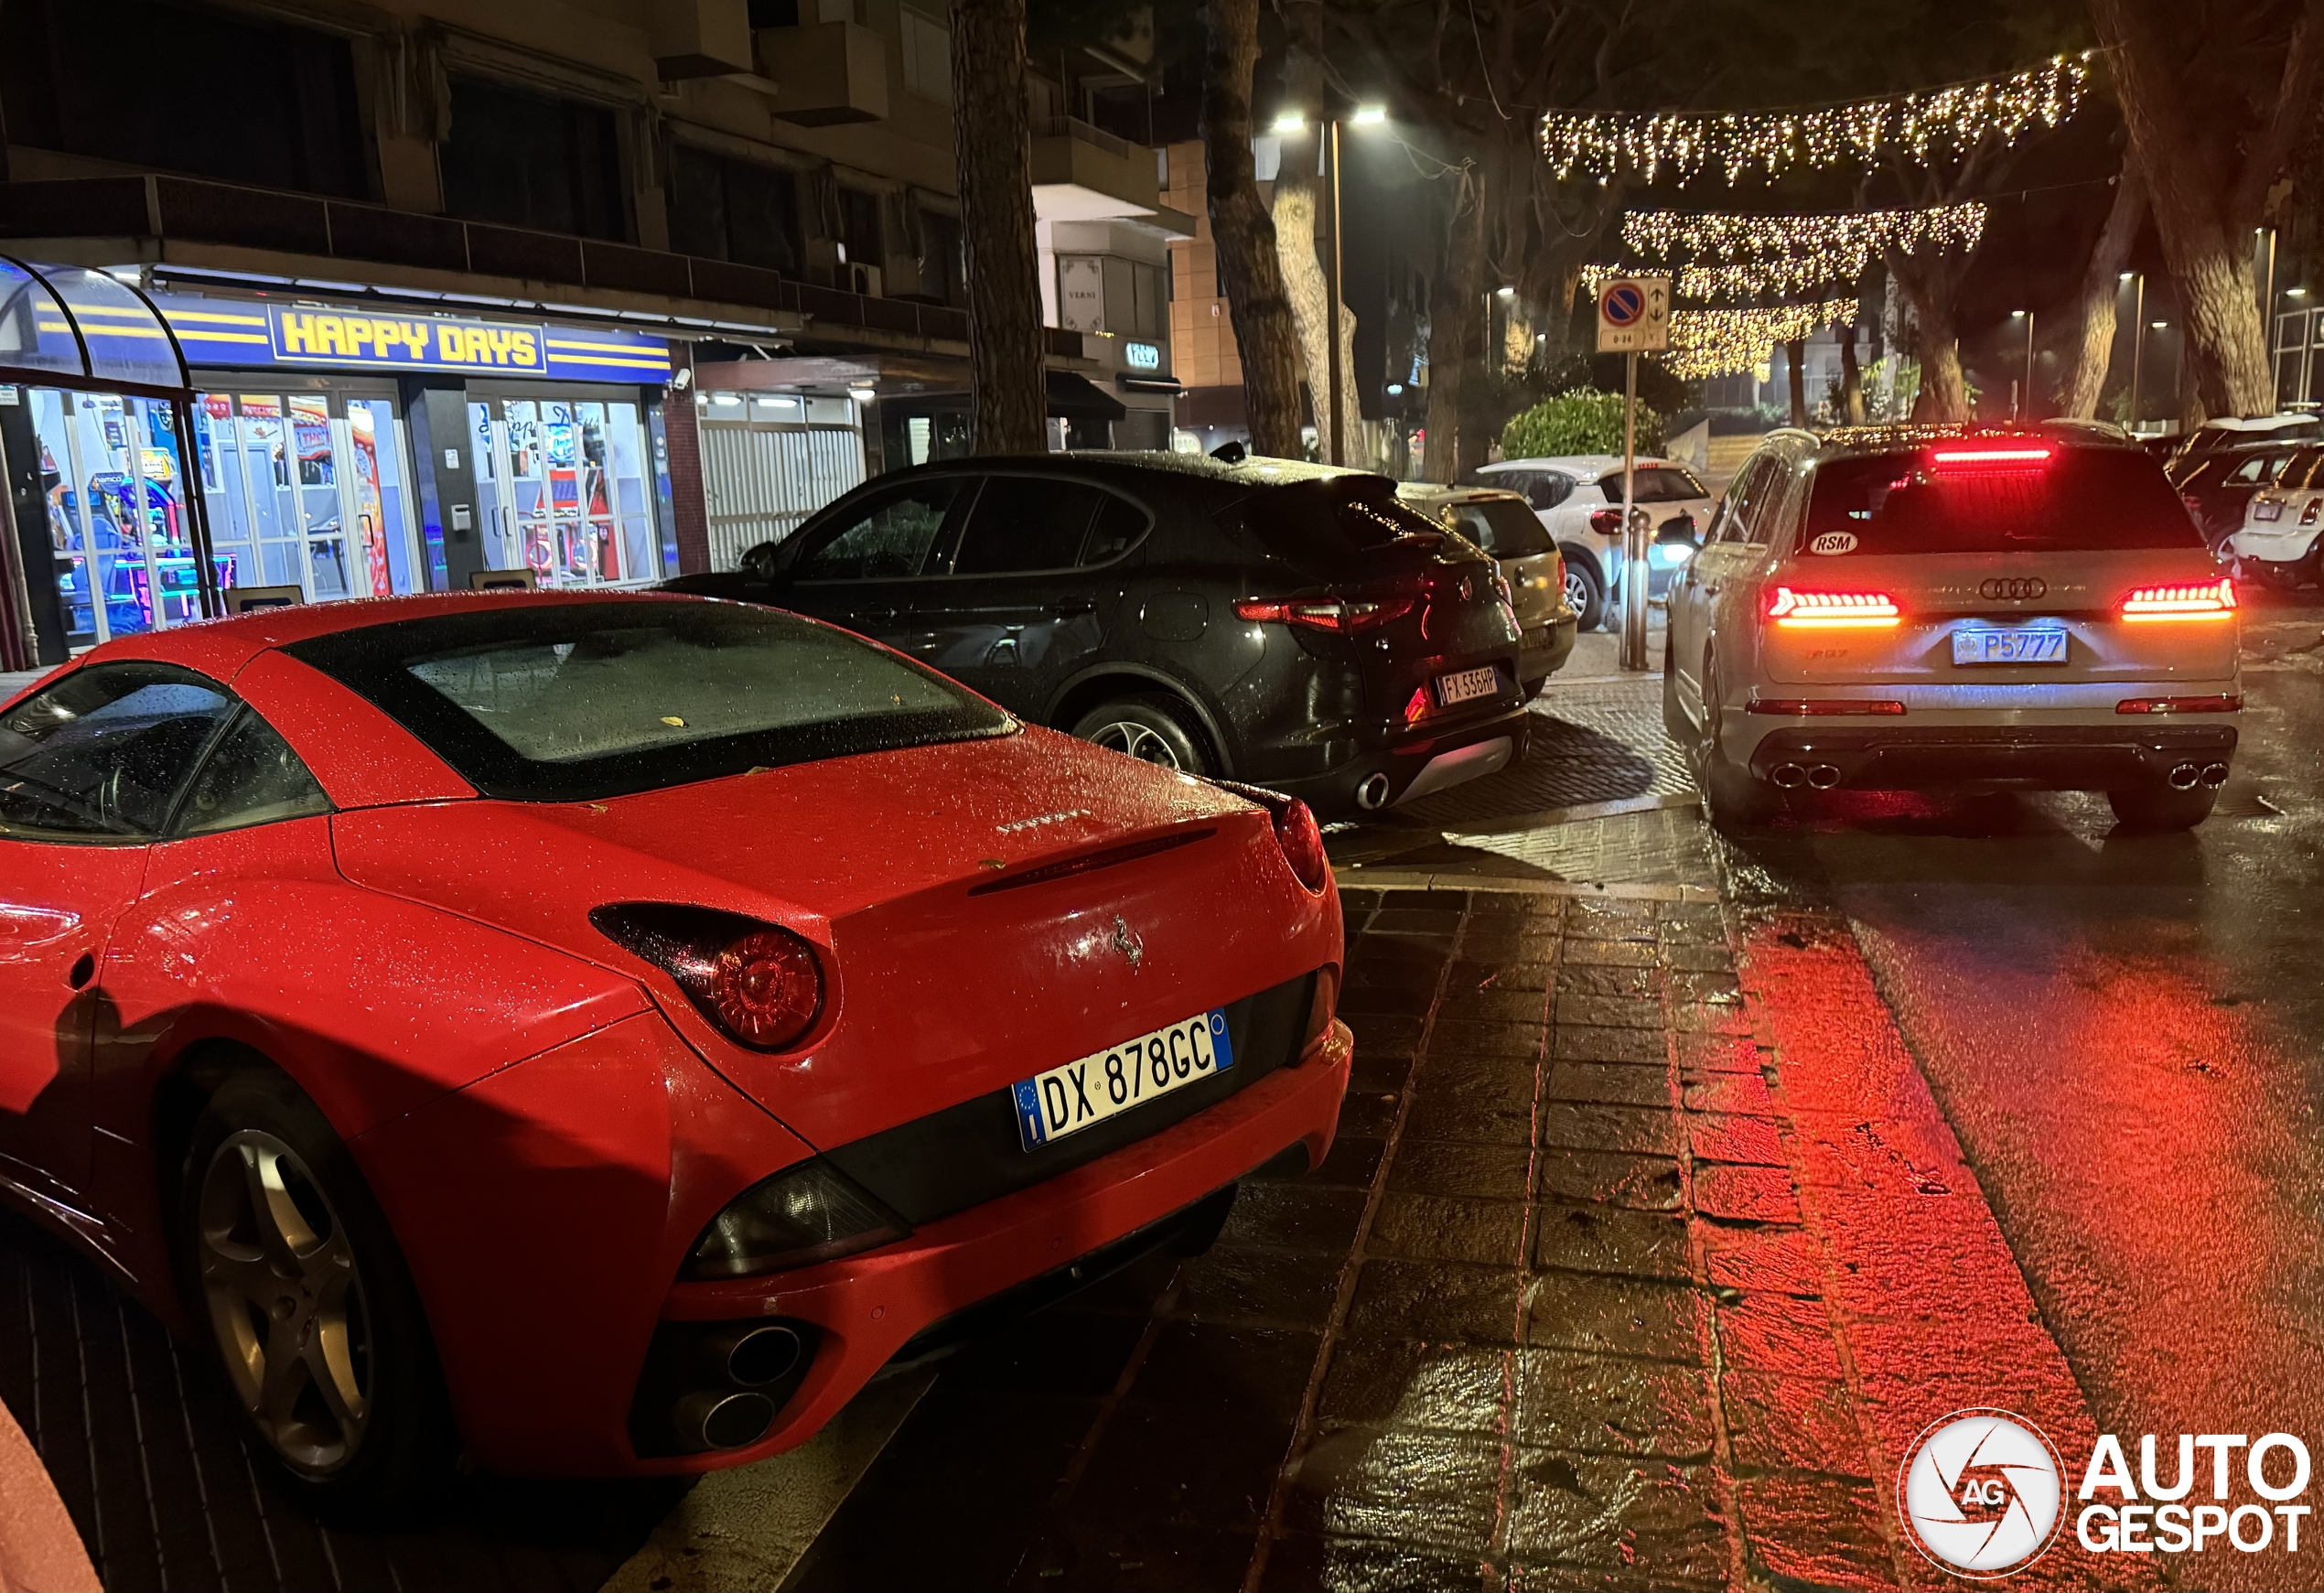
[(1579, 498), (1501, 523)]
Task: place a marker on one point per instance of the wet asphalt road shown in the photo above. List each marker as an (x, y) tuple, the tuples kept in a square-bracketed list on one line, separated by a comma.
[(2125, 1034)]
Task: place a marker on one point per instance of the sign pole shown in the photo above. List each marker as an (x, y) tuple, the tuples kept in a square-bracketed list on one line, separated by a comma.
[(1633, 318), (1634, 577)]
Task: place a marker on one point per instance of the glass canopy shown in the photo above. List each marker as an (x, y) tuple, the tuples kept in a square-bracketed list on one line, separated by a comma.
[(75, 322)]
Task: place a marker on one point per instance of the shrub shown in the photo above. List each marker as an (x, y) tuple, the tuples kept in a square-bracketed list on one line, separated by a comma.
[(1584, 421)]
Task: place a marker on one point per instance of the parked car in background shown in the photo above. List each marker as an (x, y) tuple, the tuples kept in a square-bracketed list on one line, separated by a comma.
[(2231, 432), (2217, 484), (581, 1034), (1504, 526), (1917, 606), (1289, 625), (1579, 498), (2276, 545)]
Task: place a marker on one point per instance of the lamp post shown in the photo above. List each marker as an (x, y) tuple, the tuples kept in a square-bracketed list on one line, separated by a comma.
[(2026, 403), (2138, 338), (1292, 122)]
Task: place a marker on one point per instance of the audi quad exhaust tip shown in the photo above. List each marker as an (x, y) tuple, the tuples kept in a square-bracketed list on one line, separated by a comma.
[(2214, 775), (1372, 794), (1823, 776), (1789, 775), (2184, 776)]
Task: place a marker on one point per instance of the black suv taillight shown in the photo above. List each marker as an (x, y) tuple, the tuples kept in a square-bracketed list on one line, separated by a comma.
[(758, 981)]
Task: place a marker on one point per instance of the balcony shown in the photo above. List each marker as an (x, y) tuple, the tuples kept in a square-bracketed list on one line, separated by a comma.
[(1082, 173)]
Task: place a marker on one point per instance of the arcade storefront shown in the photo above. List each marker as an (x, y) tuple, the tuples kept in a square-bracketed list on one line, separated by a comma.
[(340, 450)]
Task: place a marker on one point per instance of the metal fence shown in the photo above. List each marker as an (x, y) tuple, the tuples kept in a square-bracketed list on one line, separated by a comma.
[(760, 479)]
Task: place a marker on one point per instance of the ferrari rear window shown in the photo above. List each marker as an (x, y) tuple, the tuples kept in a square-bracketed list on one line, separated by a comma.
[(1978, 498), (556, 702)]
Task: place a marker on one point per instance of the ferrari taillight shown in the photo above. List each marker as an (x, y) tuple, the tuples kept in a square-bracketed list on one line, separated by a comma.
[(1295, 830), (759, 983), (1796, 610), (2206, 600)]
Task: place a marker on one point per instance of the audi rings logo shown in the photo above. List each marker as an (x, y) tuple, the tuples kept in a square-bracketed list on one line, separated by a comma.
[(2019, 588), (1980, 1494)]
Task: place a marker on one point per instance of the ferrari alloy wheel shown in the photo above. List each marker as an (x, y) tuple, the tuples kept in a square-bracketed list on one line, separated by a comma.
[(1147, 729), (321, 1337), (284, 1291)]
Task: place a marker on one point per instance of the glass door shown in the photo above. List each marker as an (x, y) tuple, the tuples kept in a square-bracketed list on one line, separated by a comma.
[(565, 490)]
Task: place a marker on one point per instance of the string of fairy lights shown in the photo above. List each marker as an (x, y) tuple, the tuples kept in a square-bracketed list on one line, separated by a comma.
[(1749, 257), (1729, 342), (1764, 144)]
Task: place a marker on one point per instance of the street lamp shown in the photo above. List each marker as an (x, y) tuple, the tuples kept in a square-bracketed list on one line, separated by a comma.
[(2137, 338), (1286, 123)]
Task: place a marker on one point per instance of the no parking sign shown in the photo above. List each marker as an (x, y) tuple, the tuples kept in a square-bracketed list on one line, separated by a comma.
[(1634, 315)]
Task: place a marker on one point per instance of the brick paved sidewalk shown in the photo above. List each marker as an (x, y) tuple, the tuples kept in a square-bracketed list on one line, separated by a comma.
[(1547, 1318)]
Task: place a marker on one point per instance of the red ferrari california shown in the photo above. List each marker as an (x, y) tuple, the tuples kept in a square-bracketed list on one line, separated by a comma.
[(594, 1034)]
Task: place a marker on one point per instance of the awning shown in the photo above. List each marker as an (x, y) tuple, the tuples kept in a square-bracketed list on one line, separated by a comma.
[(1148, 385), (1074, 397), (70, 322)]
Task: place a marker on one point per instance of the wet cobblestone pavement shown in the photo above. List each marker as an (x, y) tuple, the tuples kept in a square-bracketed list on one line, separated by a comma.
[(1548, 1317)]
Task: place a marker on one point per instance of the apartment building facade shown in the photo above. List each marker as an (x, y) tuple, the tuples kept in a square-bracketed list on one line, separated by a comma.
[(428, 292)]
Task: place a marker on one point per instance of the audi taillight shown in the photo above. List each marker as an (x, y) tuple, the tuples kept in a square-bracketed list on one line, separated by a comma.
[(1344, 614), (1296, 832), (2205, 600), (1796, 610), (761, 983)]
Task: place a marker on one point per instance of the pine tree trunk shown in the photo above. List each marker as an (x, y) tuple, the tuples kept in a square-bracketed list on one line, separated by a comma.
[(1452, 325), (1797, 350), (1303, 282), (1851, 379), (1250, 273), (2218, 298), (994, 159), (2100, 288)]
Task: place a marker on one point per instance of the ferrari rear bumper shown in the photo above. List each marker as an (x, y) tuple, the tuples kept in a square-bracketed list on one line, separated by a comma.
[(860, 1312)]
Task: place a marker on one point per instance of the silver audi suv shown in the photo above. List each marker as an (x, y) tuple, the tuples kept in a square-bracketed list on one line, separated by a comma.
[(1921, 607)]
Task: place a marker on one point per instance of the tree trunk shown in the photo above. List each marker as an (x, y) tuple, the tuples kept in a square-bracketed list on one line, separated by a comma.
[(1452, 324), (1301, 207), (2208, 173), (1250, 273), (1928, 283), (994, 159), (1851, 379), (1797, 350), (2100, 287)]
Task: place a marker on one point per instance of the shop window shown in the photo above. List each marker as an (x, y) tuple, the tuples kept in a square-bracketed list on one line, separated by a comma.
[(741, 210), (139, 82), (124, 554), (526, 161)]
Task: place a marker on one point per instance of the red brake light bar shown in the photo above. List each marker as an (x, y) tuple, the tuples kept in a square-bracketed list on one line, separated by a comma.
[(2022, 456), (2211, 600), (1831, 611), (1822, 707)]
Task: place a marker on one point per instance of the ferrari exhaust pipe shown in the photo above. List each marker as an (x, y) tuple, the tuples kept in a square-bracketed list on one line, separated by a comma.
[(1372, 794), (1823, 776), (709, 1419), (752, 1357), (2214, 775), (1789, 775), (2184, 776)]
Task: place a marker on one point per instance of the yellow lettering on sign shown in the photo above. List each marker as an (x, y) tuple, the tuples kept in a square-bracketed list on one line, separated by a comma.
[(357, 331), (525, 346), (330, 337), (498, 341), (450, 346), (416, 339), (299, 332)]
